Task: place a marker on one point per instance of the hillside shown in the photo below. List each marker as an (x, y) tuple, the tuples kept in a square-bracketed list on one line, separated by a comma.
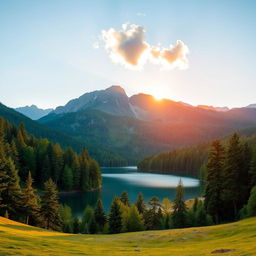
[(33, 111), (137, 126), (239, 237), (103, 156)]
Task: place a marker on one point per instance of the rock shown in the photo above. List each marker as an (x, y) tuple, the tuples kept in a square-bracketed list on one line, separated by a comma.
[(223, 250)]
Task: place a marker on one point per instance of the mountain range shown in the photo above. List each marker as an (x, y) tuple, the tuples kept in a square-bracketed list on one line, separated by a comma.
[(136, 126), (117, 129), (33, 112)]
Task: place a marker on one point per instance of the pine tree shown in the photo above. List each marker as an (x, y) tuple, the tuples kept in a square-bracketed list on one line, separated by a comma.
[(252, 171), (251, 206), (11, 195), (50, 206), (179, 216), (84, 181), (76, 173), (67, 179), (100, 216), (233, 170), (140, 204), (151, 217), (200, 215), (115, 219), (93, 227), (214, 181), (125, 198), (3, 186), (88, 215), (30, 202), (76, 226), (135, 220), (66, 218)]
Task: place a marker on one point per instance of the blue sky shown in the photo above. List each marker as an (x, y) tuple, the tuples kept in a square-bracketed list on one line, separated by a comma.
[(47, 58)]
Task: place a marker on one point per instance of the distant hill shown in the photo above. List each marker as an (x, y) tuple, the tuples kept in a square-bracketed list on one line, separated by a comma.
[(137, 126), (223, 109), (33, 112), (251, 106), (103, 156)]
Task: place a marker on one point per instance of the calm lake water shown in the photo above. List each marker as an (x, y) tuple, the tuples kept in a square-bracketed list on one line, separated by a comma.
[(119, 179)]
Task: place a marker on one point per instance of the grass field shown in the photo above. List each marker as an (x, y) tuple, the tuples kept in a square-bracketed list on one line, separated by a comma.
[(240, 237)]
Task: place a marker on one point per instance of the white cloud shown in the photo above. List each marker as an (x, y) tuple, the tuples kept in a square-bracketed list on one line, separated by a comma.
[(129, 48), (126, 46), (172, 57)]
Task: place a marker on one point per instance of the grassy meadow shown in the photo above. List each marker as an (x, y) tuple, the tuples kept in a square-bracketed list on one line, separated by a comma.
[(239, 237)]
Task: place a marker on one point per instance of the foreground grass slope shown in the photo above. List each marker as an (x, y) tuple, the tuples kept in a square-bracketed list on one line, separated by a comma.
[(239, 237)]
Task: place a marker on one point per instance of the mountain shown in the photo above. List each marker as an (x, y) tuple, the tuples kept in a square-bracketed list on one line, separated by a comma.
[(113, 100), (221, 109), (251, 106), (137, 126), (104, 157), (33, 112)]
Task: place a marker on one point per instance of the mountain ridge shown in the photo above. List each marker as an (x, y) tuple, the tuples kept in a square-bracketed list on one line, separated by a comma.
[(33, 112)]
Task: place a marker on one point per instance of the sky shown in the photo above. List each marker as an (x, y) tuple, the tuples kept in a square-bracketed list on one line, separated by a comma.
[(198, 52)]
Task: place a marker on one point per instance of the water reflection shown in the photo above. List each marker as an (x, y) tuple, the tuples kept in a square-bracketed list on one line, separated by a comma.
[(117, 180)]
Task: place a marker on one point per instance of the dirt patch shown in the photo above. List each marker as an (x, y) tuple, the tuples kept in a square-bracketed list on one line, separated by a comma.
[(223, 250)]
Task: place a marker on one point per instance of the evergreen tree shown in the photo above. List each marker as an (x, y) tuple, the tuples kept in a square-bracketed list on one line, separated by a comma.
[(30, 200), (11, 193), (84, 171), (76, 226), (67, 179), (115, 219), (201, 216), (3, 185), (93, 227), (100, 216), (125, 198), (135, 220), (76, 173), (232, 174), (166, 206), (140, 204), (88, 215), (66, 218), (214, 181), (152, 220), (179, 215), (251, 206), (252, 171), (50, 206)]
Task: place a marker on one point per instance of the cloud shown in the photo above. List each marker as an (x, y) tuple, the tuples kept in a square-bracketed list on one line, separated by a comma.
[(172, 57), (128, 47)]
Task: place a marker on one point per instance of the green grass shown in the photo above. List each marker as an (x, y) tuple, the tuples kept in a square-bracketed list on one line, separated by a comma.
[(20, 239)]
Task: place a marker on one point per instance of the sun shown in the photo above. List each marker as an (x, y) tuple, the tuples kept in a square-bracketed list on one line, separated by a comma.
[(158, 96)]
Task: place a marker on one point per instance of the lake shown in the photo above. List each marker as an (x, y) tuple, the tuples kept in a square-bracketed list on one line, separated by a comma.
[(118, 179)]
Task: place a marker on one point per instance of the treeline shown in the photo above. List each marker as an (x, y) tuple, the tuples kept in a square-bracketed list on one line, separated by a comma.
[(103, 156), (126, 217), (24, 153), (184, 161), (230, 177)]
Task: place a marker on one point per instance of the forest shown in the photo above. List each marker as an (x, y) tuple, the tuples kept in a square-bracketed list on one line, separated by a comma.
[(23, 158), (190, 161), (27, 164)]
